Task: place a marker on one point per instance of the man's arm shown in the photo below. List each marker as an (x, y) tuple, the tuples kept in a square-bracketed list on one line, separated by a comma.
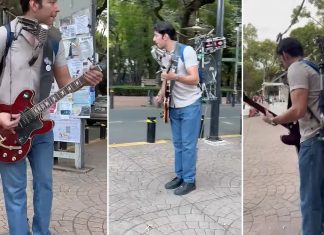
[(62, 76), (297, 110), (192, 77)]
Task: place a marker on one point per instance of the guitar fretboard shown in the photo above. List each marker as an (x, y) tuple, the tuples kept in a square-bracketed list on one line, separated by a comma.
[(38, 109)]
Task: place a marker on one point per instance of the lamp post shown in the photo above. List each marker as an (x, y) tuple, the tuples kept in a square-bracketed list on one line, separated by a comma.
[(214, 116), (238, 30)]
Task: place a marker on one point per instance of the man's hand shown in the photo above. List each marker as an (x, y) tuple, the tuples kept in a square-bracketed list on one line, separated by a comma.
[(93, 77), (268, 118), (168, 76), (9, 121), (158, 100)]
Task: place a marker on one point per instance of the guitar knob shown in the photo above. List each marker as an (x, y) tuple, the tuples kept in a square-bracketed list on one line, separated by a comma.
[(13, 159), (20, 152), (26, 95), (4, 155)]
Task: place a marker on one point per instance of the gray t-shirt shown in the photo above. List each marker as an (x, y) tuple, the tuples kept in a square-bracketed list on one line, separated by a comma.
[(183, 94), (301, 75), (17, 75)]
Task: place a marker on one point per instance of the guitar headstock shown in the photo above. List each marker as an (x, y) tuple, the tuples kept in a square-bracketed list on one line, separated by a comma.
[(102, 65)]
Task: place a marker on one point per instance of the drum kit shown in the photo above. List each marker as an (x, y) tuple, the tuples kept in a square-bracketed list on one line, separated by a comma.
[(205, 45)]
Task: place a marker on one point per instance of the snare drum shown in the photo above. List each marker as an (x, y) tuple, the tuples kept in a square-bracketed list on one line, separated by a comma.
[(213, 44)]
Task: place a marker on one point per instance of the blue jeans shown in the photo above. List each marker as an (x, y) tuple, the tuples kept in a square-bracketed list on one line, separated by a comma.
[(185, 125), (311, 170), (14, 182)]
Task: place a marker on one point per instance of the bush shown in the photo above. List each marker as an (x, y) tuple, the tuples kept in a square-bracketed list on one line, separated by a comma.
[(127, 90)]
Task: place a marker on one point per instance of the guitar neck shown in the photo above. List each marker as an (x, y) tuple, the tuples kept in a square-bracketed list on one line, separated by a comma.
[(257, 106), (263, 109), (57, 96)]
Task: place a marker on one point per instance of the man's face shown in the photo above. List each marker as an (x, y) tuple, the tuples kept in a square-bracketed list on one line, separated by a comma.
[(47, 11), (158, 39)]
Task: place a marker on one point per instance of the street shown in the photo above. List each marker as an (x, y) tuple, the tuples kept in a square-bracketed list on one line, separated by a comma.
[(129, 124)]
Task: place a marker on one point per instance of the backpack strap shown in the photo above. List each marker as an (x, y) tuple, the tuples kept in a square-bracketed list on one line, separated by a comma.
[(10, 37), (50, 50), (179, 51), (312, 65)]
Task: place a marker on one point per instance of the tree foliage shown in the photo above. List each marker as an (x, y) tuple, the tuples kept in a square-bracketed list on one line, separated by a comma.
[(131, 32), (260, 63)]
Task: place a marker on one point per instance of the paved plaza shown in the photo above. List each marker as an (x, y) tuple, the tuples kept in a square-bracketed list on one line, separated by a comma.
[(271, 181), (139, 204), (80, 199)]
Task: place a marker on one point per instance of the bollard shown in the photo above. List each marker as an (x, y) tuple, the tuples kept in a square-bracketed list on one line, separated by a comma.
[(202, 128), (233, 99), (86, 135), (151, 125), (111, 96), (103, 131)]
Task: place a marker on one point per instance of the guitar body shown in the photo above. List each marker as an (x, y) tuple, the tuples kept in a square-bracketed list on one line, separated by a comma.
[(166, 102), (293, 138), (15, 146)]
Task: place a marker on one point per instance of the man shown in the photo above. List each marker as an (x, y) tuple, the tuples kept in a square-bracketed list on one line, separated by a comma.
[(185, 109), (19, 74), (304, 84)]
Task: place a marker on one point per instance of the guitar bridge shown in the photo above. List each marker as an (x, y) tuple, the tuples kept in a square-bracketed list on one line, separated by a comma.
[(2, 139)]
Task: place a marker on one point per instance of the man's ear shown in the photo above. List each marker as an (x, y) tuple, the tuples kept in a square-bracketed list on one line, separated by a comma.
[(33, 5), (165, 36), (285, 55)]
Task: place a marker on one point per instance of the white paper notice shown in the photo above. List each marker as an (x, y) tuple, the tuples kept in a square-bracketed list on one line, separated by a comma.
[(86, 46), (65, 110), (67, 130), (68, 31), (82, 24), (75, 67)]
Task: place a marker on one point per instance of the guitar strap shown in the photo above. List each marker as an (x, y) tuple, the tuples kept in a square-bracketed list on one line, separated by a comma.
[(46, 73), (50, 49)]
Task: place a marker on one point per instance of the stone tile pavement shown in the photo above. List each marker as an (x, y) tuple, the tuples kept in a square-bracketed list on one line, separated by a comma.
[(271, 181), (80, 199), (139, 204)]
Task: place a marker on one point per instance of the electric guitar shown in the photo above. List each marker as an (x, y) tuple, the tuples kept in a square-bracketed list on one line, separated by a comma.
[(293, 138), (15, 146), (168, 62)]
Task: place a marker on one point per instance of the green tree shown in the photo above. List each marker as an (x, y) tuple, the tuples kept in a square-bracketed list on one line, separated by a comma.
[(131, 39), (259, 60)]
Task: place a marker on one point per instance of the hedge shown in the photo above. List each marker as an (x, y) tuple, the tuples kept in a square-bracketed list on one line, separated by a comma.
[(127, 90)]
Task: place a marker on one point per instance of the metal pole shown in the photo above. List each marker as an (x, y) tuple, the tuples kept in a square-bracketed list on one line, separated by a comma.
[(94, 25), (214, 119), (236, 62)]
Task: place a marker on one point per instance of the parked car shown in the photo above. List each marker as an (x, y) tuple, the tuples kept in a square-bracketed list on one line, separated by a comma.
[(98, 111)]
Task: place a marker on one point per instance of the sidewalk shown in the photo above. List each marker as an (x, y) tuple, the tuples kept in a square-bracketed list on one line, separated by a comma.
[(139, 204), (271, 181), (137, 101), (80, 199)]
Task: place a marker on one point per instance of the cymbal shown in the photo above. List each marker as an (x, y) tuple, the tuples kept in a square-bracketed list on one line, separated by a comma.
[(195, 28)]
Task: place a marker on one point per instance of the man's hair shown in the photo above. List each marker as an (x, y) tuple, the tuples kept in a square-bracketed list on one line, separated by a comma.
[(291, 46), (164, 27), (25, 4)]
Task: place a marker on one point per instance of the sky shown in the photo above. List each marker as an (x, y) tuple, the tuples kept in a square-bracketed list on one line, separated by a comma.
[(272, 17)]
